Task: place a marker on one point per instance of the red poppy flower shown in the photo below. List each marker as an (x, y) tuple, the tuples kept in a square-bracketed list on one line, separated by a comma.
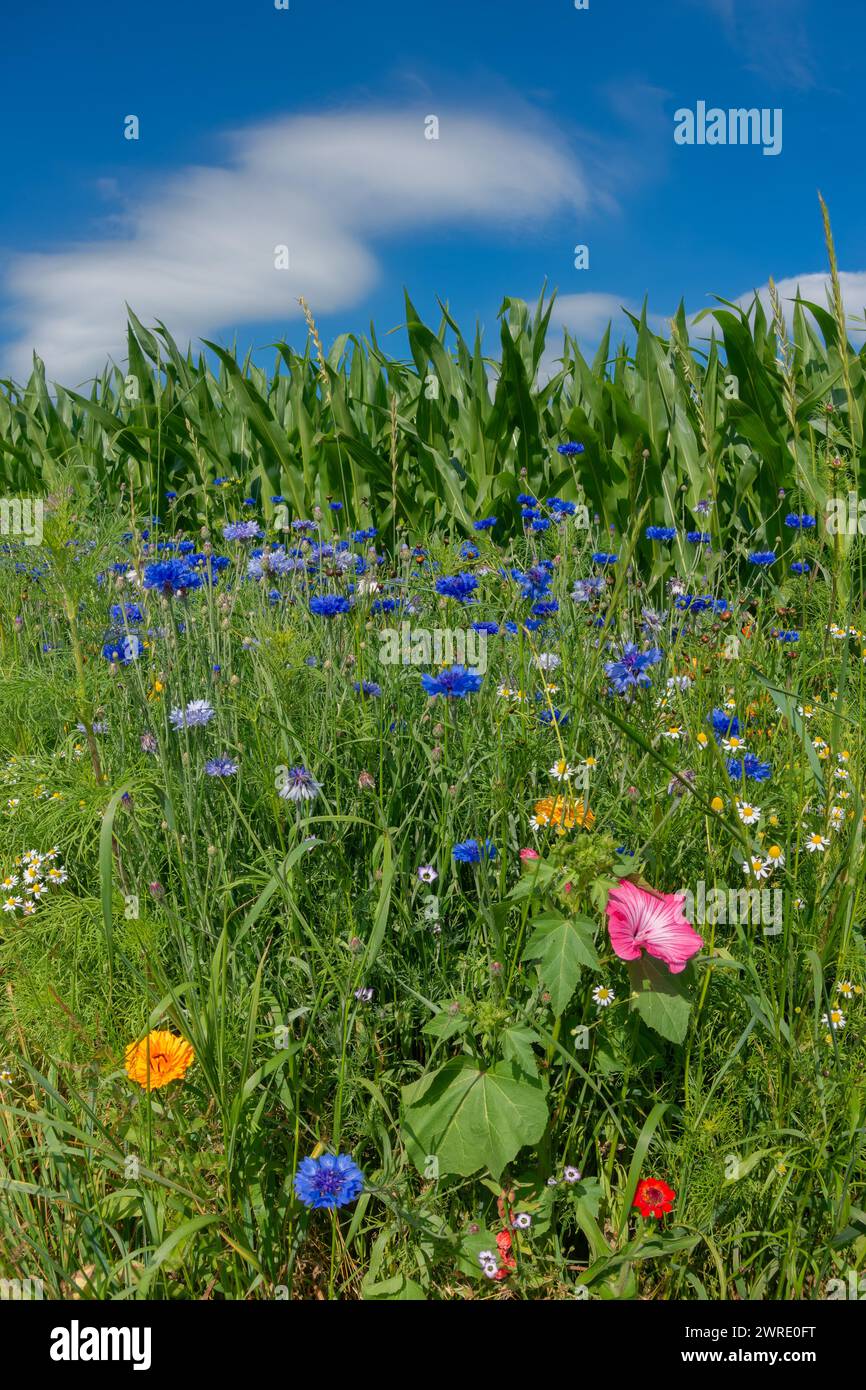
[(503, 1243), (653, 1197)]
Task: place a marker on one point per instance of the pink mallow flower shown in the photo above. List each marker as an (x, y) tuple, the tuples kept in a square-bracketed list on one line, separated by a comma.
[(639, 920), (528, 854)]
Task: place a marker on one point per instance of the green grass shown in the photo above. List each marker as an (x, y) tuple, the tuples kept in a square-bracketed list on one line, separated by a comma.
[(262, 937), (248, 924)]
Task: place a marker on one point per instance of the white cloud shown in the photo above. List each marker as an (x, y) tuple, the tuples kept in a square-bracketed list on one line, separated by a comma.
[(585, 317), (197, 249), (815, 288)]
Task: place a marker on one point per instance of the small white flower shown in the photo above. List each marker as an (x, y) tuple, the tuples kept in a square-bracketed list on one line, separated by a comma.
[(561, 771), (603, 996), (816, 844), (734, 744), (835, 1019), (748, 814), (756, 866)]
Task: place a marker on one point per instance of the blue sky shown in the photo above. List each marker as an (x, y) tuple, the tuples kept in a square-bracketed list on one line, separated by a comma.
[(261, 127)]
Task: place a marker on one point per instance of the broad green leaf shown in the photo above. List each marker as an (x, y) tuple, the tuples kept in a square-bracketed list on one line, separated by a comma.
[(561, 945), (661, 999), (468, 1118)]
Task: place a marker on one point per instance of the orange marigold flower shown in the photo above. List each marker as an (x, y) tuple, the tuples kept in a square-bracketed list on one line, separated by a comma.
[(169, 1057), (563, 813)]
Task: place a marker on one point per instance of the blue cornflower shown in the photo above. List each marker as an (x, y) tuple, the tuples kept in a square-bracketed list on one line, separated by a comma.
[(803, 522), (468, 551), (698, 537), (329, 605), (331, 1181), (492, 629), (786, 636), (586, 589), (457, 586), (724, 725), (242, 531), (249, 501), (335, 506), (601, 557), (569, 450), (690, 603), (660, 533), (539, 523), (800, 567), (122, 613), (369, 689), (486, 523), (455, 683), (170, 496), (750, 767), (553, 716), (196, 714), (762, 557), (471, 852), (525, 499), (171, 577), (630, 669), (297, 784), (127, 650), (369, 535), (561, 507), (535, 583), (545, 607), (220, 767)]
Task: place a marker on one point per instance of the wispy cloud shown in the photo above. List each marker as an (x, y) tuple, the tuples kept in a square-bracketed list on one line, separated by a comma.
[(771, 37), (197, 248)]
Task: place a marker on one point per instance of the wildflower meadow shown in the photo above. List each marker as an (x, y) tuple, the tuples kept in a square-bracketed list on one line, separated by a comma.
[(432, 802)]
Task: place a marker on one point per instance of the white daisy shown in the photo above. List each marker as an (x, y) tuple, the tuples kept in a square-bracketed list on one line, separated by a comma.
[(816, 844), (603, 996)]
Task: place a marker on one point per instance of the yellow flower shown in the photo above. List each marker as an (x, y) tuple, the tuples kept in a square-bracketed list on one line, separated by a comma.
[(717, 804), (563, 813), (169, 1057)]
